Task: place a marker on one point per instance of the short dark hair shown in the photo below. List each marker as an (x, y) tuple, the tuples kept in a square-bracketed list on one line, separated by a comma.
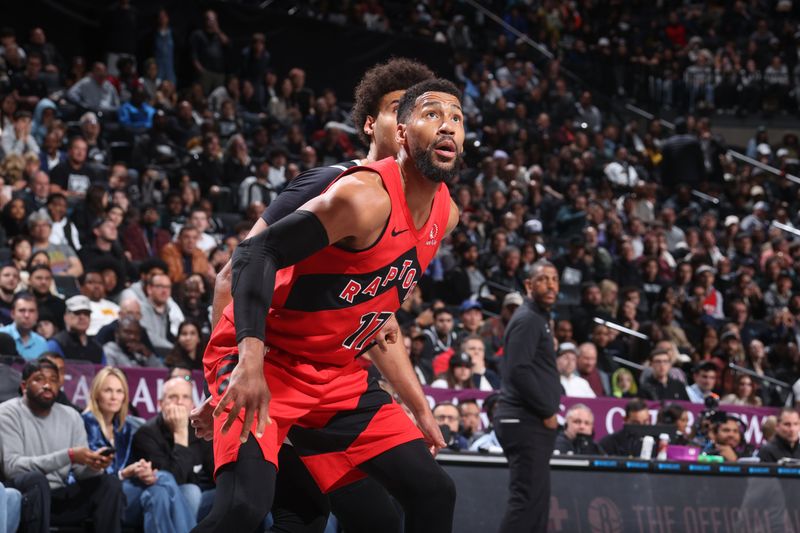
[(670, 413), (37, 365), (705, 366), (659, 351), (74, 139), (51, 356), (151, 264), (24, 296), (36, 268), (54, 196), (470, 337), (466, 402), (787, 410), (397, 74), (82, 277), (441, 311), (446, 404), (9, 265), (409, 100), (540, 264), (634, 406), (185, 228)]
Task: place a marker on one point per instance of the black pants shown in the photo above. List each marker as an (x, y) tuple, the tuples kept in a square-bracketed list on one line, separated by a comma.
[(246, 488), (527, 445), (35, 512), (361, 505), (99, 497), (299, 505)]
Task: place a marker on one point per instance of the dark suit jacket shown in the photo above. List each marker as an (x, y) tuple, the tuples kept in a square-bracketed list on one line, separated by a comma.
[(153, 442)]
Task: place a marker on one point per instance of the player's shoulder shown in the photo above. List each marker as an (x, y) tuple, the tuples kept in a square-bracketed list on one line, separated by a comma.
[(362, 192), (324, 174)]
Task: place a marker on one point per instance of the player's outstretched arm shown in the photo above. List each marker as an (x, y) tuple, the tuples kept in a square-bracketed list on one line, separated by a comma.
[(222, 286), (353, 210)]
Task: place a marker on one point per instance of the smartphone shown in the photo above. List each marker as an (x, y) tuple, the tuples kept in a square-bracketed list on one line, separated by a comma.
[(105, 452)]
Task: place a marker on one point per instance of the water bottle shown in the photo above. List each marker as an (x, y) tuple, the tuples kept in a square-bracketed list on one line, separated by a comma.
[(647, 447), (663, 444)]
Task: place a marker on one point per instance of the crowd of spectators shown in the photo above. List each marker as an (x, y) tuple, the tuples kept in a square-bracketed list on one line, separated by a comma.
[(729, 57), (125, 190)]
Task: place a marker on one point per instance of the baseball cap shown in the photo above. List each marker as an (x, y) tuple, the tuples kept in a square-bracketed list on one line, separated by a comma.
[(782, 152), (78, 303), (730, 334), (702, 269), (512, 298), (730, 220), (763, 149), (468, 305), (757, 190), (500, 154), (460, 359), (533, 226), (762, 206), (565, 347)]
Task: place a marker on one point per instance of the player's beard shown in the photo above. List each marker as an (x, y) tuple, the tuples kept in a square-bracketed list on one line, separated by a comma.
[(423, 159)]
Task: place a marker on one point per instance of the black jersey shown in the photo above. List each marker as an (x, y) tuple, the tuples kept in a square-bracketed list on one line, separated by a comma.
[(302, 188)]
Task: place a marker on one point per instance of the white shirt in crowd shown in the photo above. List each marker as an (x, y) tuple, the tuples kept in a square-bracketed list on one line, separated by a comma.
[(577, 387)]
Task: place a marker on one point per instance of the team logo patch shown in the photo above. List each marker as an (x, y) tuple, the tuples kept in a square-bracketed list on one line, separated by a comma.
[(434, 233)]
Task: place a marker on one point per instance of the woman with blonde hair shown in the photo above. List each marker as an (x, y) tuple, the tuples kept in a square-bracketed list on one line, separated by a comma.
[(154, 499), (622, 384), (609, 301)]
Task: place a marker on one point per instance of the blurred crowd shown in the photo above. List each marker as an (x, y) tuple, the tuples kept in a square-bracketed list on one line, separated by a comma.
[(726, 56), (124, 190)]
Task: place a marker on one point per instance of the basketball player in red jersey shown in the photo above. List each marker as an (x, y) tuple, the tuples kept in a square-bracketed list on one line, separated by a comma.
[(330, 275), (363, 506)]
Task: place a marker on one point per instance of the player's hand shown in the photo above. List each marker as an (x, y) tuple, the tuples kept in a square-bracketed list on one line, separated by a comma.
[(431, 431), (202, 420), (388, 334), (551, 422), (247, 390)]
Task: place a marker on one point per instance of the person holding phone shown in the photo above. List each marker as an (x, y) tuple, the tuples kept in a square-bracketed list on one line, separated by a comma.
[(46, 457), (154, 500)]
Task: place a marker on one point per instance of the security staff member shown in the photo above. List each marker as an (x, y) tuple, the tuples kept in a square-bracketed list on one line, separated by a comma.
[(525, 421)]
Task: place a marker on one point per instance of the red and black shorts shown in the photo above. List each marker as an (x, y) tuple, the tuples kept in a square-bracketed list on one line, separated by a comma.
[(335, 417)]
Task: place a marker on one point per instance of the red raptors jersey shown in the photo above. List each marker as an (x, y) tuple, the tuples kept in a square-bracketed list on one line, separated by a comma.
[(328, 307)]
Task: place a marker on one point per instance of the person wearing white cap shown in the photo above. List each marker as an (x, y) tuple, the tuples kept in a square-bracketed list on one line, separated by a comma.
[(731, 220), (757, 220), (571, 382), (712, 301), (74, 343)]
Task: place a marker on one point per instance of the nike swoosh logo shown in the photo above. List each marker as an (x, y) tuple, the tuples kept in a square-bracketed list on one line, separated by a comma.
[(395, 233)]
